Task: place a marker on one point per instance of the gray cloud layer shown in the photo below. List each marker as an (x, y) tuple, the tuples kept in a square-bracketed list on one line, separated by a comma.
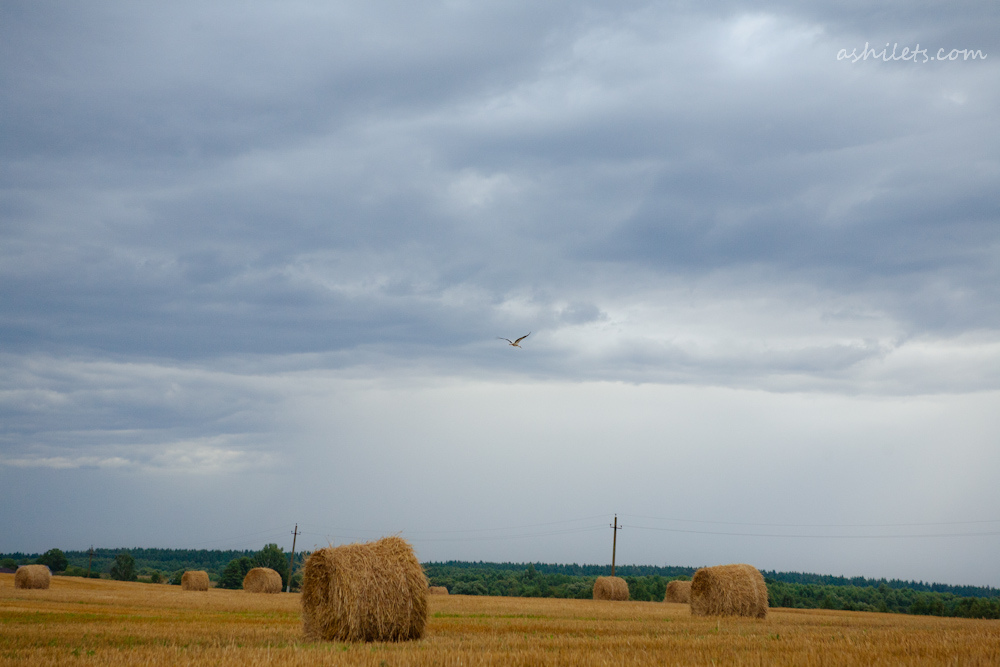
[(201, 206)]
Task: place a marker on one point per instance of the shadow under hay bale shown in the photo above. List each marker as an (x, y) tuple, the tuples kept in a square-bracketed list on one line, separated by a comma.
[(437, 590), (194, 580), (32, 576), (678, 591), (262, 580), (364, 592), (610, 588), (729, 590)]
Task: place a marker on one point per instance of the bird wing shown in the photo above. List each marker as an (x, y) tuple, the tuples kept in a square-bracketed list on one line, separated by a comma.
[(522, 337), (506, 339)]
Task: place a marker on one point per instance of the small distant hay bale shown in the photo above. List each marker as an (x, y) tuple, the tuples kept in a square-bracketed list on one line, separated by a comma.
[(369, 592), (437, 590), (194, 580), (610, 588), (678, 591), (262, 580), (729, 590), (32, 576)]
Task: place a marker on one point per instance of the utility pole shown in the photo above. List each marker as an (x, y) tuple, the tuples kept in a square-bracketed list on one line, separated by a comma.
[(90, 563), (614, 544), (291, 561)]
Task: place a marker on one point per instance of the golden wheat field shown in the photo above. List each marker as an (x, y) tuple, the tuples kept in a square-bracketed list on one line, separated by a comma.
[(99, 622)]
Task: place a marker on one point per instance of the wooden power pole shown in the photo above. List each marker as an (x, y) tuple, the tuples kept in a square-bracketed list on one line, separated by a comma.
[(90, 563), (291, 561), (614, 544)]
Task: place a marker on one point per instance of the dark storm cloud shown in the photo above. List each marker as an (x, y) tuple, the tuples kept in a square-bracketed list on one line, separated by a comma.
[(195, 82), (195, 183)]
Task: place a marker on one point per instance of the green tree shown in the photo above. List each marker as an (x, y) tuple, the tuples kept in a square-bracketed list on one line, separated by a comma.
[(8, 563), (273, 557), (123, 569), (232, 575), (55, 559)]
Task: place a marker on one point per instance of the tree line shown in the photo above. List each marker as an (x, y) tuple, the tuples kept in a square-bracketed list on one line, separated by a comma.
[(146, 560), (674, 572), (646, 582), (785, 589), (881, 598), (226, 568)]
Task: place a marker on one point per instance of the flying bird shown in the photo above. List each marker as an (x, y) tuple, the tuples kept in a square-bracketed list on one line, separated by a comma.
[(514, 343)]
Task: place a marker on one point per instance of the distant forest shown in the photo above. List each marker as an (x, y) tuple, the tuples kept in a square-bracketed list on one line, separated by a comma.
[(147, 561), (646, 582), (785, 589)]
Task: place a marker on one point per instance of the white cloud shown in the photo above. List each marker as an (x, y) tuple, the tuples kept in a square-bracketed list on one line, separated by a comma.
[(64, 462), (207, 456)]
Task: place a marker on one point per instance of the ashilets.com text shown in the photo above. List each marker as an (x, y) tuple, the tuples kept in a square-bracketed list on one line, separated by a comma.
[(916, 55)]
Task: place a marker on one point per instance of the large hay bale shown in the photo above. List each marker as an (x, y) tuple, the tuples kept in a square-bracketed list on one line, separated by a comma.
[(32, 576), (437, 590), (194, 580), (262, 580), (610, 588), (364, 592), (729, 590), (678, 591)]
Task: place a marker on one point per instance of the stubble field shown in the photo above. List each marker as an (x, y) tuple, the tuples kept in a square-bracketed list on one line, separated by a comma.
[(99, 622)]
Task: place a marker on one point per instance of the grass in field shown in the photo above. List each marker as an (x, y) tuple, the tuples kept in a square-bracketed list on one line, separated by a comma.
[(90, 622)]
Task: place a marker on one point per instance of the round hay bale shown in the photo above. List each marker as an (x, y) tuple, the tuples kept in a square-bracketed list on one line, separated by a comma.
[(678, 591), (610, 588), (729, 590), (262, 580), (364, 592), (32, 576), (437, 590), (194, 580)]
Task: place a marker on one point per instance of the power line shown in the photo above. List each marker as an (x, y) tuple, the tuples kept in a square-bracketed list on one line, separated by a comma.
[(818, 525), (291, 560), (530, 525), (327, 530), (513, 532), (415, 537), (240, 538), (856, 537), (614, 543), (485, 538)]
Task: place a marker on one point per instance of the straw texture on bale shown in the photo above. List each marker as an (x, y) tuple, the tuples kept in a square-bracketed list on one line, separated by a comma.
[(610, 588), (729, 590), (437, 590), (364, 592), (262, 580), (194, 580), (678, 591), (32, 576)]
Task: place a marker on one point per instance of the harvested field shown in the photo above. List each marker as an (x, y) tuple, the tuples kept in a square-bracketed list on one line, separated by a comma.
[(91, 622)]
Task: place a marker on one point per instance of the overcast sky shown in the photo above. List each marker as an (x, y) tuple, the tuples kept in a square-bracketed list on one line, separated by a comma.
[(254, 261)]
